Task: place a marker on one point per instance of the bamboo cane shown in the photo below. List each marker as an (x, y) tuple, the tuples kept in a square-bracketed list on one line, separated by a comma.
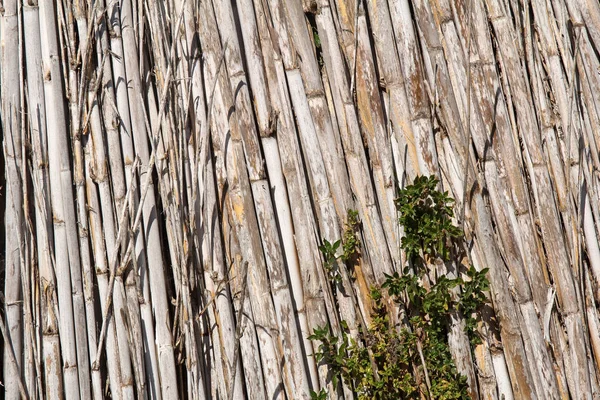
[(67, 262), (11, 127)]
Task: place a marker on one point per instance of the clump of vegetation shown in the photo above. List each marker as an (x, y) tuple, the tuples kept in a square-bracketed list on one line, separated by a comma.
[(329, 251), (350, 245), (426, 215), (406, 362)]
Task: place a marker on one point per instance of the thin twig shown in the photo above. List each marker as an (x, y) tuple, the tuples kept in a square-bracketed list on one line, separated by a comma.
[(200, 158), (213, 297), (85, 61), (568, 128), (202, 148), (353, 76), (11, 353), (422, 357), (7, 341), (238, 332), (112, 266), (467, 120)]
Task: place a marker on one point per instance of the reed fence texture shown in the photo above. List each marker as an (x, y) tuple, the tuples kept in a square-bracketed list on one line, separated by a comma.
[(170, 169)]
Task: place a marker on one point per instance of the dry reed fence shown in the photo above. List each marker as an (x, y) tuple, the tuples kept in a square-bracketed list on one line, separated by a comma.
[(171, 168)]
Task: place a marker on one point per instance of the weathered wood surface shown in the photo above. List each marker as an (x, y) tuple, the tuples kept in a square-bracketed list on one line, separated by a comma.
[(170, 168)]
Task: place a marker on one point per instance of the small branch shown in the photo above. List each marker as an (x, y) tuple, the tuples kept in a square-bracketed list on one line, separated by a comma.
[(113, 262), (353, 76), (238, 332), (422, 357), (468, 120), (11, 353)]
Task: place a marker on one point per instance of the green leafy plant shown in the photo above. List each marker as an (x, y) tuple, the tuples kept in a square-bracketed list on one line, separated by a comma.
[(426, 215), (471, 299), (377, 365), (329, 251), (322, 395), (390, 362), (316, 38), (331, 352), (349, 243)]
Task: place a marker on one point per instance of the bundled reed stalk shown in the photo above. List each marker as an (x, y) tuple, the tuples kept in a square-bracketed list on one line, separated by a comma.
[(170, 170)]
